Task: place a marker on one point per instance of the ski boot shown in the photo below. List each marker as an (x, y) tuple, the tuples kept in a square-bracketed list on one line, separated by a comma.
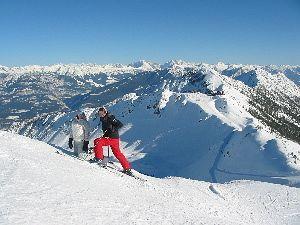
[(94, 160), (128, 172)]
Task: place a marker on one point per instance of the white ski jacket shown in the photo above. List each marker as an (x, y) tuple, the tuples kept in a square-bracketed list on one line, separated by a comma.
[(80, 130)]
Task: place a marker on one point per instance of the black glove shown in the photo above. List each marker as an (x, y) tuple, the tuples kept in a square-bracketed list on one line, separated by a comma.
[(85, 146), (70, 143)]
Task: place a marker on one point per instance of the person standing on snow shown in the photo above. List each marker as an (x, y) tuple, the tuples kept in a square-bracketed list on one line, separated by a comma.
[(79, 134), (110, 127)]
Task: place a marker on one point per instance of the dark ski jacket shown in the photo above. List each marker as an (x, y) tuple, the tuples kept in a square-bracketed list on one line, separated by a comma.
[(110, 126)]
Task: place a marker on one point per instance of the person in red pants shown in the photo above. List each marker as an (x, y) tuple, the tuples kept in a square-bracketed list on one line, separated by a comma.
[(110, 127)]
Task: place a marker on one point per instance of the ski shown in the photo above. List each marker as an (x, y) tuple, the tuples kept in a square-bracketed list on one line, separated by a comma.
[(110, 166)]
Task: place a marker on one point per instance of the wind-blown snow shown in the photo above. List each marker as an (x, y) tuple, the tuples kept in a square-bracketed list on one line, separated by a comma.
[(39, 186)]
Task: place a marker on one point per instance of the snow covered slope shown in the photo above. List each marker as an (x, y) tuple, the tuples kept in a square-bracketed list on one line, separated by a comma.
[(206, 122), (39, 186)]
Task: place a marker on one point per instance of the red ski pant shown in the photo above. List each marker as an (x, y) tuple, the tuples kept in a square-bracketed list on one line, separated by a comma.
[(114, 143)]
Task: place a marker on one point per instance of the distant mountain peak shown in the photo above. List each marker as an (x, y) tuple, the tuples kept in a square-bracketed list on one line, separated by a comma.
[(175, 63), (145, 65)]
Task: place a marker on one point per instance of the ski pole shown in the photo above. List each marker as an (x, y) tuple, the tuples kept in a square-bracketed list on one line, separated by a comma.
[(107, 145), (107, 151)]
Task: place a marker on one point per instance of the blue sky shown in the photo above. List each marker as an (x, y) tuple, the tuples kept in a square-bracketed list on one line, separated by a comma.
[(122, 31)]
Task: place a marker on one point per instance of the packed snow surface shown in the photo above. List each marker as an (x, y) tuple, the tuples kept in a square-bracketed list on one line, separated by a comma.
[(39, 186)]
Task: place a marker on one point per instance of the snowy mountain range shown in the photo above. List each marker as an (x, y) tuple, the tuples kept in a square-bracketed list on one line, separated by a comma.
[(210, 122)]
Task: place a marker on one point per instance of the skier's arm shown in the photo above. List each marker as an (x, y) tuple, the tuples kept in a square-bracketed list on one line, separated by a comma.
[(86, 130), (71, 131), (70, 143), (115, 122)]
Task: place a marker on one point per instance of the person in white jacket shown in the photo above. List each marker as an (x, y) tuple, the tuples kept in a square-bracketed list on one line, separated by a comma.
[(79, 134)]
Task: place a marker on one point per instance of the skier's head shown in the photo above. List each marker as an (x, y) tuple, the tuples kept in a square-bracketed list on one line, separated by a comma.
[(81, 115), (102, 111)]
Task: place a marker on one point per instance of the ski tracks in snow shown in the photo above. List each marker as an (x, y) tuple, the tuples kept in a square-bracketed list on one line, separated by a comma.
[(214, 167), (215, 191)]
